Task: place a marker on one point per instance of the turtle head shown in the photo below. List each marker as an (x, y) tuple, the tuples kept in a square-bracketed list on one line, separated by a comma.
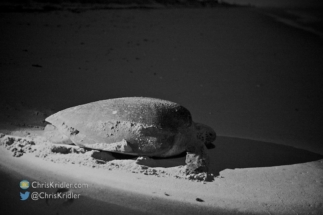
[(206, 134)]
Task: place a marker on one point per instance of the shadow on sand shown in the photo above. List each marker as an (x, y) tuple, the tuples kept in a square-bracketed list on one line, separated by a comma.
[(231, 153)]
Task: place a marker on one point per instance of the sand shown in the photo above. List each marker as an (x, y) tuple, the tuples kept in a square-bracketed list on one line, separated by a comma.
[(277, 3), (255, 80)]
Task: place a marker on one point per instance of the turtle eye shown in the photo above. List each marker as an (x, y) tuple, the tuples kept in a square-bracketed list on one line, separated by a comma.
[(211, 136)]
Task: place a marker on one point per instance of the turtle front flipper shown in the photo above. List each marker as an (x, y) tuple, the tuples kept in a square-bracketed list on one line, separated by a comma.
[(197, 159)]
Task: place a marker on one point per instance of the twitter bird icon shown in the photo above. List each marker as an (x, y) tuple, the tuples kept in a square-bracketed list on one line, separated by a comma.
[(24, 196)]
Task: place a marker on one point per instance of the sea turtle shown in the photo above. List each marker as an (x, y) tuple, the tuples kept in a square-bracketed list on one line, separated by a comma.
[(134, 125)]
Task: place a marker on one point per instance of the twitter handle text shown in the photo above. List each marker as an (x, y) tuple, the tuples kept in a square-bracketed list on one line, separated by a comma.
[(43, 195)]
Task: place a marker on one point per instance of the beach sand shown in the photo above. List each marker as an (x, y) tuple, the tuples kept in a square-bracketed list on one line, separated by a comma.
[(253, 79)]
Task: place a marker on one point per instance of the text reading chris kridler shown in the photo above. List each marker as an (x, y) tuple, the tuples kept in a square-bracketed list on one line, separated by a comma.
[(36, 184), (62, 192)]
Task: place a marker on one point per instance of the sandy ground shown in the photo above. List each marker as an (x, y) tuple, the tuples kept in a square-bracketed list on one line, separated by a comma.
[(277, 3), (253, 79)]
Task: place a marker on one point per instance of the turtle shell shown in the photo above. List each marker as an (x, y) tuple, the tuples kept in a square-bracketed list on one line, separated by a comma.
[(133, 125)]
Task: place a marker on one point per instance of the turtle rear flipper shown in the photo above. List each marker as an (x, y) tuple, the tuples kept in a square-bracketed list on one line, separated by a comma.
[(54, 136)]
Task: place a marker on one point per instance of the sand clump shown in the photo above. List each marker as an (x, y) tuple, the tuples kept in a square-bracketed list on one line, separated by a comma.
[(69, 154), (18, 146)]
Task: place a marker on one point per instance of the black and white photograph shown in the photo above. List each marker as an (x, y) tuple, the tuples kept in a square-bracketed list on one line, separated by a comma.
[(161, 107)]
